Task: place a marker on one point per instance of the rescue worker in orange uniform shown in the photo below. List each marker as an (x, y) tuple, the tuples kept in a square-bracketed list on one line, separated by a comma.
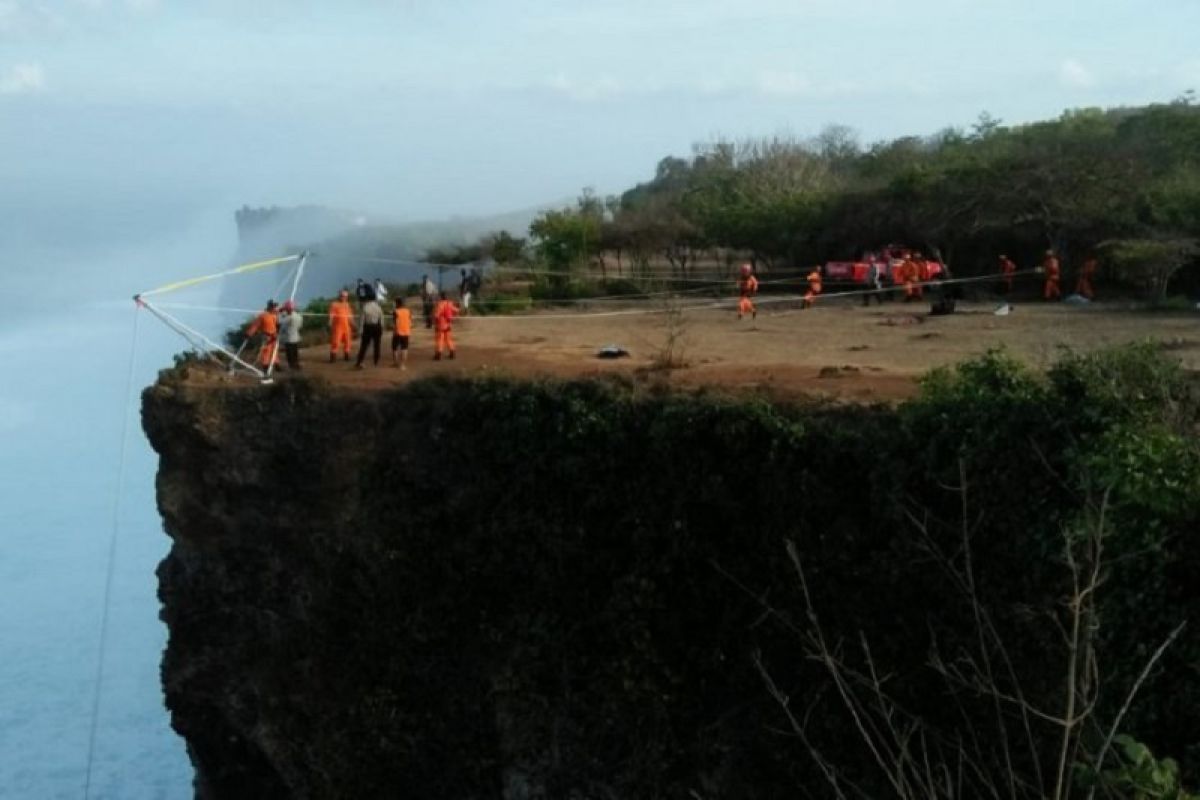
[(1087, 272), (401, 331), (747, 289), (266, 323), (922, 274), (1007, 268), (340, 315), (908, 276), (814, 287), (443, 319), (1053, 272)]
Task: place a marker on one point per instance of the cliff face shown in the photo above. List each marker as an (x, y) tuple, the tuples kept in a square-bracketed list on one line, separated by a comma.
[(486, 589), (469, 590)]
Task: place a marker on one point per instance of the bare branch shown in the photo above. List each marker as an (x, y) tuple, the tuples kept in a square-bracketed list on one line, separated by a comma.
[(1102, 753)]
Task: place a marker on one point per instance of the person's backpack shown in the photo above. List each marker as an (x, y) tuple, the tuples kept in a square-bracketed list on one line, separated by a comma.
[(366, 292)]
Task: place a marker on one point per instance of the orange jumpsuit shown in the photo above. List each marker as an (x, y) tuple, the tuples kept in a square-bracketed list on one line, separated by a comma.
[(268, 324), (1087, 271), (1007, 268), (907, 273), (1053, 274), (443, 317), (339, 326), (814, 288), (921, 276), (747, 288)]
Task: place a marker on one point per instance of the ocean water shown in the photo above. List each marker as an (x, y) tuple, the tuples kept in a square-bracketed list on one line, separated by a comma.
[(65, 346)]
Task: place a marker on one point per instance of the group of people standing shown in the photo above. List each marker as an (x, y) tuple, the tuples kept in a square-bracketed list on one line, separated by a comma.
[(439, 312), (270, 325), (913, 273), (283, 324)]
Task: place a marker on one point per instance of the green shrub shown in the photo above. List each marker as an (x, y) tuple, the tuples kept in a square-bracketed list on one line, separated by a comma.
[(1138, 775), (490, 303)]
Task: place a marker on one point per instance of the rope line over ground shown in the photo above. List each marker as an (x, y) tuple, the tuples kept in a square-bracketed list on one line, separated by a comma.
[(724, 303)]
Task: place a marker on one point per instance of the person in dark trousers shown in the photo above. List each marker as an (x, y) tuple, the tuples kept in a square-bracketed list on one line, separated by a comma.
[(372, 332), (401, 331), (943, 295), (290, 324)]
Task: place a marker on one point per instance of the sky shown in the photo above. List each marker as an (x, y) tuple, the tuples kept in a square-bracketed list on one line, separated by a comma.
[(131, 129), (418, 109)]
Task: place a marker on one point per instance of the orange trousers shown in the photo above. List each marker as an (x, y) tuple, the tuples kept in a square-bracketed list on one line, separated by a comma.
[(911, 291), (341, 336), (268, 351), (1052, 292), (810, 297), (746, 306), (443, 339)]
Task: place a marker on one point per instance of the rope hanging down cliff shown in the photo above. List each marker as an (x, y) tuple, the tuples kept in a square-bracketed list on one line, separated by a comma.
[(110, 569)]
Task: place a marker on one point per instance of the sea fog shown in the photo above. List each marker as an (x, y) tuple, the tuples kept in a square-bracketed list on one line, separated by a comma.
[(69, 395)]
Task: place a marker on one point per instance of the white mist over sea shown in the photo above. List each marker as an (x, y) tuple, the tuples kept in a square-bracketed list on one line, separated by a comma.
[(65, 344)]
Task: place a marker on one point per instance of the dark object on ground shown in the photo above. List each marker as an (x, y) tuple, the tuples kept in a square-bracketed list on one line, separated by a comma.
[(612, 351), (941, 307), (942, 299)]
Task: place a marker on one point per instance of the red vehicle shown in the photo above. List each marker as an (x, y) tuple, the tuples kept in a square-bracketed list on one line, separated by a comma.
[(887, 259)]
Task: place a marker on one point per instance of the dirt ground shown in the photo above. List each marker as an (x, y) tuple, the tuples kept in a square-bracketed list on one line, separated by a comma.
[(838, 349)]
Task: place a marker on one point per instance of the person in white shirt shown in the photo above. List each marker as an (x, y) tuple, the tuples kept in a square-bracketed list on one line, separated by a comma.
[(428, 297), (290, 324)]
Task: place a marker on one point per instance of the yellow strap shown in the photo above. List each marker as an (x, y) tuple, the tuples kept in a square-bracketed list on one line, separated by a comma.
[(170, 287)]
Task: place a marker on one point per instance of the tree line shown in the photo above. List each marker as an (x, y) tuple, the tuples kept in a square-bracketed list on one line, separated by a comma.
[(1122, 184)]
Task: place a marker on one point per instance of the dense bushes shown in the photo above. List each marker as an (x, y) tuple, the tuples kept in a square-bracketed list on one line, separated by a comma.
[(572, 590)]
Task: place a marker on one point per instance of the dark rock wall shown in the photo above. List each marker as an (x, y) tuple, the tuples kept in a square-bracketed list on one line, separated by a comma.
[(485, 589)]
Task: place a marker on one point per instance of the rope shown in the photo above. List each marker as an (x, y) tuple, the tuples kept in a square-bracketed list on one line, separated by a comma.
[(899, 287), (291, 303), (654, 273), (170, 287), (694, 306), (514, 301), (286, 277), (112, 558)]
